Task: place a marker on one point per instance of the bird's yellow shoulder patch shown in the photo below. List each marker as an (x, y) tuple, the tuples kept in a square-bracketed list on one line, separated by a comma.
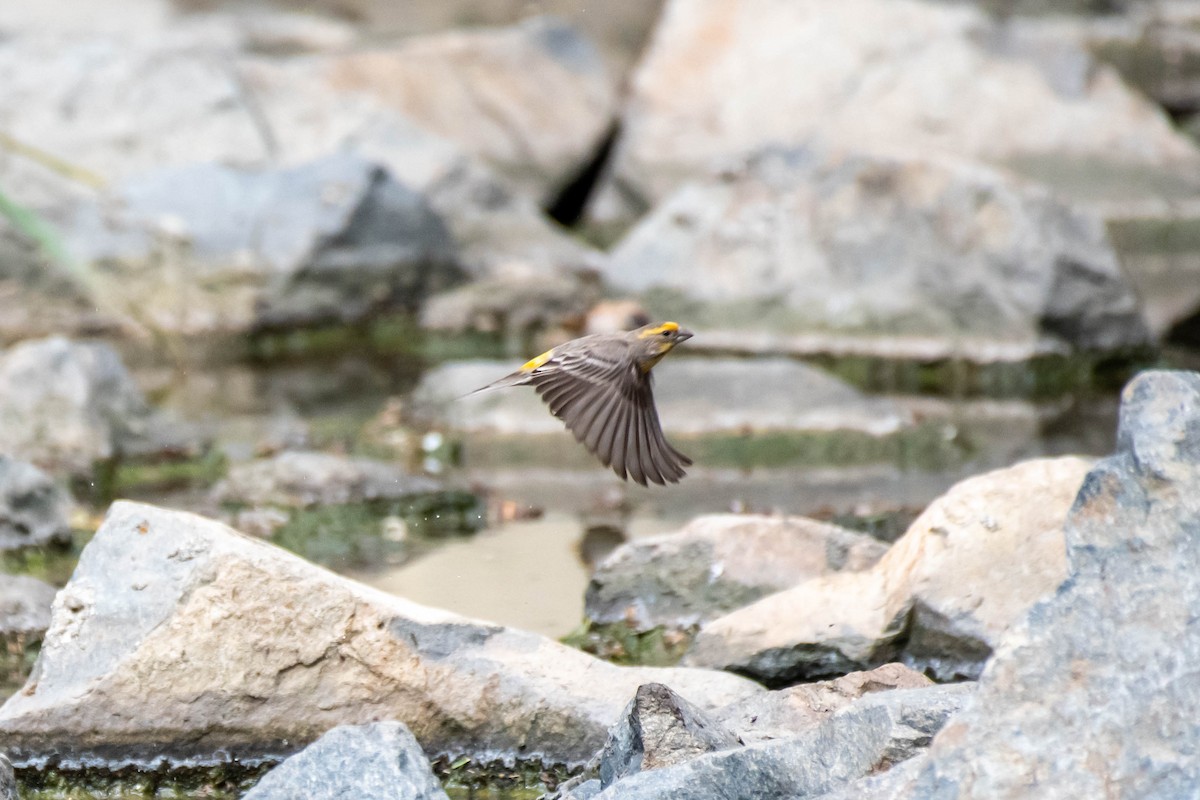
[(537, 361), (658, 329)]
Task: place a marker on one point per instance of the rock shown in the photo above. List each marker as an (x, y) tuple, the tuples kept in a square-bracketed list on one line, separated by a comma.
[(584, 790), (8, 781), (693, 396), (24, 605), (888, 785), (786, 712), (332, 241), (380, 761), (783, 254), (658, 729), (978, 558), (966, 570), (178, 637), (190, 96), (1090, 694), (68, 406), (870, 735), (532, 100), (876, 78), (716, 564), (34, 510), (302, 479)]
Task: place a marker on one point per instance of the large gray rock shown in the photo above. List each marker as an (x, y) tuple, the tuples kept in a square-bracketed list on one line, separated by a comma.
[(177, 636), (870, 735), (940, 599), (34, 510), (1092, 694), (799, 251), (380, 761), (716, 564), (68, 406), (207, 247), (532, 100), (868, 75), (24, 605)]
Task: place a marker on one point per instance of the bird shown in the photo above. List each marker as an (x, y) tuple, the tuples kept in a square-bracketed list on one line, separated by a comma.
[(600, 387)]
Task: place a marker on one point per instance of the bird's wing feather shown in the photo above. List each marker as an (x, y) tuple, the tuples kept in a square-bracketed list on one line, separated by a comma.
[(608, 404)]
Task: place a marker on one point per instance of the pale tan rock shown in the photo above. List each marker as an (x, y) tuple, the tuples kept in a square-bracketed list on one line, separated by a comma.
[(965, 571), (984, 552), (179, 636)]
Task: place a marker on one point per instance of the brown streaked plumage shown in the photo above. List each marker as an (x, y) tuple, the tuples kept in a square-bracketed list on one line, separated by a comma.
[(600, 387)]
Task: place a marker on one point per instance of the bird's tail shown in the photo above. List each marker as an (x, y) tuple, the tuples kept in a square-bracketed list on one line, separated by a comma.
[(515, 379)]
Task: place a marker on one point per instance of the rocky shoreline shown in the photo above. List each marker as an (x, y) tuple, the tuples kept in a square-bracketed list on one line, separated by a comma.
[(921, 244)]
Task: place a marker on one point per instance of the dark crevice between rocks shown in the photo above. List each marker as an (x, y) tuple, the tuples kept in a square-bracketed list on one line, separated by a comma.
[(568, 205), (933, 646), (1185, 332)]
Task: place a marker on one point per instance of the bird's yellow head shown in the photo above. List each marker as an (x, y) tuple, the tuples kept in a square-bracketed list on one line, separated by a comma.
[(656, 340)]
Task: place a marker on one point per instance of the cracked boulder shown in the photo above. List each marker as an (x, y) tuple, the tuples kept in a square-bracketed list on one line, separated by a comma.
[(940, 599), (178, 637)]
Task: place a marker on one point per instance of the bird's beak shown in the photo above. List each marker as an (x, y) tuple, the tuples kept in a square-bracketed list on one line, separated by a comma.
[(682, 335)]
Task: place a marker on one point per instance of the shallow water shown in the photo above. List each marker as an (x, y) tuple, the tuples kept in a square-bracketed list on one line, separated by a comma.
[(530, 572)]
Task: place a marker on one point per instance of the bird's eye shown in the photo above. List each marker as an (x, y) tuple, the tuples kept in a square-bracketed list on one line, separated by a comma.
[(667, 334)]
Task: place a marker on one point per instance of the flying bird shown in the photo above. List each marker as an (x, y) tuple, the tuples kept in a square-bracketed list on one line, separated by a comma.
[(600, 386)]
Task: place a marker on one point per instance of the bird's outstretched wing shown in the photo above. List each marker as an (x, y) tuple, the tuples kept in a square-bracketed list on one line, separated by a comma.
[(608, 404)]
